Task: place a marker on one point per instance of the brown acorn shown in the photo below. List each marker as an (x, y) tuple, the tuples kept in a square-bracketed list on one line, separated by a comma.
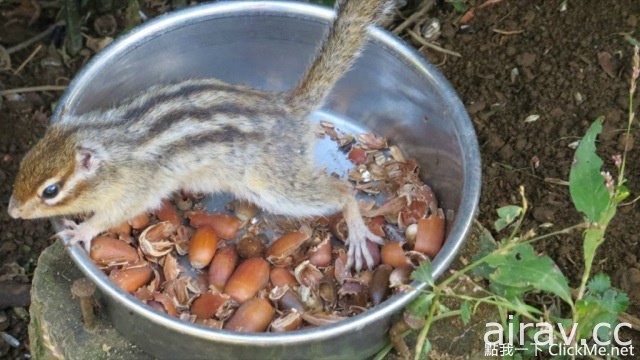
[(202, 247), (131, 278), (106, 251), (222, 266), (225, 226), (139, 222), (168, 213), (253, 316), (430, 235), (251, 276)]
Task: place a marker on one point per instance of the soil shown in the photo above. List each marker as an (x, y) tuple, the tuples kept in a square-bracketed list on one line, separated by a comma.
[(518, 59), (561, 81)]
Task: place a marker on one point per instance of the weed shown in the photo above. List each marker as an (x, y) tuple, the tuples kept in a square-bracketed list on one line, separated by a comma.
[(513, 268)]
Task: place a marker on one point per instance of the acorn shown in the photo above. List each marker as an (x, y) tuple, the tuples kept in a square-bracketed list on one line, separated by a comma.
[(225, 226), (105, 251), (202, 247), (251, 276), (222, 266), (253, 316), (430, 234), (140, 221), (131, 278)]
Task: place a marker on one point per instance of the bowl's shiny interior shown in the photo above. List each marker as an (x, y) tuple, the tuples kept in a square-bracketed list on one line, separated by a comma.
[(390, 91)]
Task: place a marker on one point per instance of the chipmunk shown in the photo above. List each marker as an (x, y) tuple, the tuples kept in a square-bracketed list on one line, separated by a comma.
[(201, 136)]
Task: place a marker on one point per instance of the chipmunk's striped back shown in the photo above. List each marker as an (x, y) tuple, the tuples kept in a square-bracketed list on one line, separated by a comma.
[(183, 114), (209, 104)]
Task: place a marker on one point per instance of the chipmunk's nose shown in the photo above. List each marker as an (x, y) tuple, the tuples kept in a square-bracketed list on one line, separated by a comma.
[(14, 208)]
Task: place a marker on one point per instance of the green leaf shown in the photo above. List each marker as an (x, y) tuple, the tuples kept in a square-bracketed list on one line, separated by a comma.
[(593, 309), (519, 306), (514, 296), (465, 312), (601, 304), (423, 273), (599, 284), (442, 308), (566, 322), (420, 306), (486, 245), (506, 215), (520, 267), (615, 300), (632, 41), (132, 16), (586, 185), (593, 237), (426, 349), (622, 192), (324, 2), (460, 6)]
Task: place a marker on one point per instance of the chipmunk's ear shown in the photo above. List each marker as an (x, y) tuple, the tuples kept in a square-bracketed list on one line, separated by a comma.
[(87, 160)]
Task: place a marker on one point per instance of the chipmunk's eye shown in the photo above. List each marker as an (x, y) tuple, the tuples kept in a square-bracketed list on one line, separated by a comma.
[(51, 191)]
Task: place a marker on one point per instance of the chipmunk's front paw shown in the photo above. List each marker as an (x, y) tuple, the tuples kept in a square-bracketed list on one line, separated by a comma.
[(76, 233), (358, 249)]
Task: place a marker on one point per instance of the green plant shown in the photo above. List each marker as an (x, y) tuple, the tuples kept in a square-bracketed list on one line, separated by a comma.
[(329, 3), (513, 268), (460, 6)]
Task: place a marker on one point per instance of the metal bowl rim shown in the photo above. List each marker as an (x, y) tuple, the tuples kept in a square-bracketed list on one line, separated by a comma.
[(465, 133)]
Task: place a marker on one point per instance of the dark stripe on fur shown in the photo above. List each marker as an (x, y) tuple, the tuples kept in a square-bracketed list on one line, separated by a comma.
[(227, 134), (166, 121), (138, 112)]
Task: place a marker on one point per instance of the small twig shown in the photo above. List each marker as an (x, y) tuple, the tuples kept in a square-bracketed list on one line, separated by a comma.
[(504, 17), (34, 39), (507, 32), (424, 42), (415, 16), (628, 318), (630, 202), (556, 181), (27, 60), (488, 3), (33, 89), (441, 63)]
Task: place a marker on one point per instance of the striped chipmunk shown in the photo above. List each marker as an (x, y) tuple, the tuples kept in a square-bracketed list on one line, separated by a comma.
[(201, 136)]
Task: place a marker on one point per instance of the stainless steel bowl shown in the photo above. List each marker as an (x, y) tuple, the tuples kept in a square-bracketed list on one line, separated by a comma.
[(391, 90)]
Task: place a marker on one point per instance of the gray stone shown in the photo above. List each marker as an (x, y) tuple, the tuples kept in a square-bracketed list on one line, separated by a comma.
[(56, 330)]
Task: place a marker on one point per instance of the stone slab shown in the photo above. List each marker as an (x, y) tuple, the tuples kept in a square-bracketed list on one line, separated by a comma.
[(56, 330)]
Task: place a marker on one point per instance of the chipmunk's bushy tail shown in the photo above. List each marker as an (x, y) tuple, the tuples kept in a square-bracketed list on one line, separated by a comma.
[(341, 47)]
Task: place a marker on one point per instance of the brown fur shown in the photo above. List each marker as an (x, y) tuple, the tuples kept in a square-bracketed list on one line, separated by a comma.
[(344, 40), (50, 157)]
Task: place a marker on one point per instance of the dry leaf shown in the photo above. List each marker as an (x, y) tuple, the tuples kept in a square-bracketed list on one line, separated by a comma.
[(607, 63)]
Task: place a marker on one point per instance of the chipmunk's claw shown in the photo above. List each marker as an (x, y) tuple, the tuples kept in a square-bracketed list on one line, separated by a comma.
[(76, 233), (358, 249), (69, 224)]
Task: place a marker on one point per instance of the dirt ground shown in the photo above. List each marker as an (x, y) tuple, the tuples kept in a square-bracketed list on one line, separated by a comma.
[(518, 59)]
